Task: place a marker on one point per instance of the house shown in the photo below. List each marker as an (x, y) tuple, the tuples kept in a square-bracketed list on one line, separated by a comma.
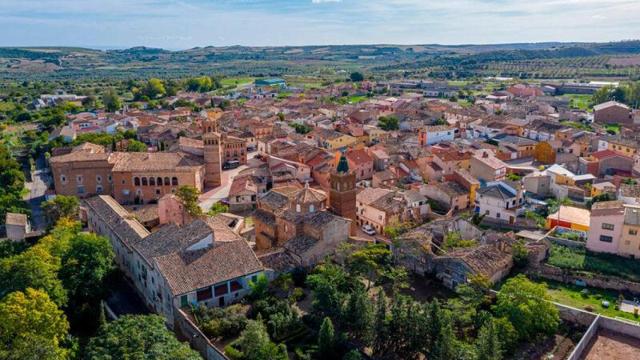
[(612, 112), (486, 167), (605, 226), (243, 193), (379, 207), (450, 194), (494, 261), (606, 162), (499, 201), (629, 244), (360, 163), (629, 193), (431, 135), (17, 226), (332, 140), (385, 178), (571, 218)]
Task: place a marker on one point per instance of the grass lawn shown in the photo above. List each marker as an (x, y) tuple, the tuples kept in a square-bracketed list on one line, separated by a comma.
[(351, 99), (579, 101), (458, 83), (615, 128), (584, 260), (571, 295), (236, 81)]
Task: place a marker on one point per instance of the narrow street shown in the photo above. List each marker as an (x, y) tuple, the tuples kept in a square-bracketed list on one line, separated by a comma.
[(37, 189)]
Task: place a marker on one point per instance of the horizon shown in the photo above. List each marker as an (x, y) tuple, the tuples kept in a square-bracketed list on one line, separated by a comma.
[(186, 24)]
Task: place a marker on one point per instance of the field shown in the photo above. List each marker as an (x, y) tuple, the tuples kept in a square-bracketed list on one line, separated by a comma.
[(236, 81), (584, 260)]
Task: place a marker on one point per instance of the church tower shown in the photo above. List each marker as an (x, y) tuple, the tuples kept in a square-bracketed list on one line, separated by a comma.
[(342, 196), (212, 150)]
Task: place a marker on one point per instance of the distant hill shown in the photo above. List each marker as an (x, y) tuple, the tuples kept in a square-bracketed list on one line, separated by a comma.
[(67, 62)]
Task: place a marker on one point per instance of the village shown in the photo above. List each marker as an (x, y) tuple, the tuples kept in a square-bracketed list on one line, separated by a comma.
[(456, 183)]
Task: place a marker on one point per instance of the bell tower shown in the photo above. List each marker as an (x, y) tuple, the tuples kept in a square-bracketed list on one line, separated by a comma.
[(212, 149), (342, 196)]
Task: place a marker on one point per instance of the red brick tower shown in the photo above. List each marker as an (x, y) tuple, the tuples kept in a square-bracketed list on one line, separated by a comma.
[(342, 196)]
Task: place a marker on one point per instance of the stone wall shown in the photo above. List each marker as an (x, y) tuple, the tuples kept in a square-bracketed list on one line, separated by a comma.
[(592, 280), (186, 330)]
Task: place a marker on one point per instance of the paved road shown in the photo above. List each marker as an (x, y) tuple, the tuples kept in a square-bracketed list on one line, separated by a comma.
[(212, 196), (37, 188)]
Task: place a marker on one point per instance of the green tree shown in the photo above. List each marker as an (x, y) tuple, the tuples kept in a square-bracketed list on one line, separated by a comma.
[(218, 208), (11, 184), (352, 355), (138, 337), (526, 305), (136, 146), (32, 327), (35, 268), (200, 84), (85, 266), (356, 76), (154, 88), (59, 207), (388, 123), (488, 345), (111, 100), (329, 284), (370, 261), (453, 240), (359, 315), (254, 344), (520, 254), (327, 339), (189, 197), (381, 338), (259, 287)]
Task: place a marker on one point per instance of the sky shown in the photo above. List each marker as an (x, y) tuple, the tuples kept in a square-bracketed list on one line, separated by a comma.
[(183, 24)]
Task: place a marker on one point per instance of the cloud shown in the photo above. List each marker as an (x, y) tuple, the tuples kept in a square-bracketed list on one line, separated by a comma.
[(189, 23)]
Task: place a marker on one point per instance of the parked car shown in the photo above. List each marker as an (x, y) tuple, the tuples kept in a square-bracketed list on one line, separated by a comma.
[(368, 230), (232, 164)]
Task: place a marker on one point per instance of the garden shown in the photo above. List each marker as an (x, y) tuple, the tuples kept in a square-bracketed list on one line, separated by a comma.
[(365, 306), (580, 259)]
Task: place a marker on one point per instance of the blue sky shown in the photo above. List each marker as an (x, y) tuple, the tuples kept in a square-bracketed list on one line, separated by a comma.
[(181, 24)]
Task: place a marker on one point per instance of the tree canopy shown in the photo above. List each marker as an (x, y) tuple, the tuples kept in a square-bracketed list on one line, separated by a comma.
[(388, 123), (32, 327), (138, 337)]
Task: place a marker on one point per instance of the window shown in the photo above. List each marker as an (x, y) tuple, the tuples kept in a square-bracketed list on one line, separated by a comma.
[(498, 215), (152, 181), (136, 181), (166, 181), (98, 189), (606, 226), (605, 238), (633, 232), (80, 189), (63, 179), (110, 179), (99, 178), (79, 179), (204, 294), (235, 286), (184, 302), (159, 181), (174, 181), (221, 289), (144, 181)]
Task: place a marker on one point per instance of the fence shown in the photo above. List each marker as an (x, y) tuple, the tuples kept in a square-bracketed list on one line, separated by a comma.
[(594, 280)]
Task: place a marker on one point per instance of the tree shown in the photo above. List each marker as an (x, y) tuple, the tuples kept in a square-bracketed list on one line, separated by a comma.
[(35, 268), (218, 208), (254, 343), (11, 184), (352, 355), (32, 327), (111, 101), (136, 146), (326, 339), (200, 84), (488, 345), (359, 315), (138, 337), (89, 102), (526, 306), (381, 325), (356, 76), (370, 261), (59, 207), (453, 240), (259, 287), (154, 88), (189, 197), (388, 123), (85, 266)]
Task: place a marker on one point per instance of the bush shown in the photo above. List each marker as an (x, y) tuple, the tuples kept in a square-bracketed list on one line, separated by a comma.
[(221, 323)]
